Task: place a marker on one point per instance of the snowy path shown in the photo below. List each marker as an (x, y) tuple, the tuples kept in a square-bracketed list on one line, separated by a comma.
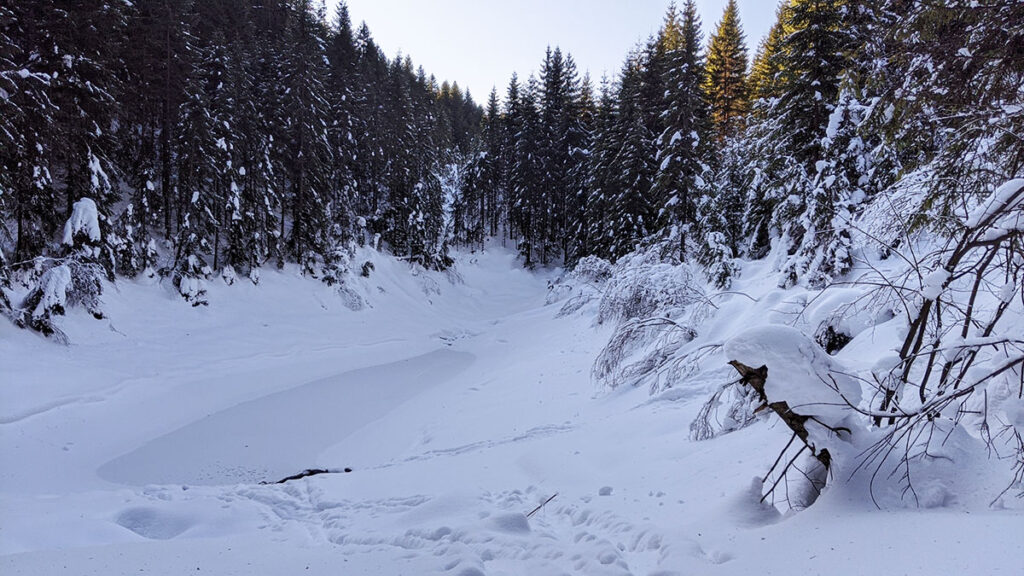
[(457, 418)]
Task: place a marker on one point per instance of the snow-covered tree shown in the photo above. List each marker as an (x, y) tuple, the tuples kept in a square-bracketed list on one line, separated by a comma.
[(684, 140), (726, 81)]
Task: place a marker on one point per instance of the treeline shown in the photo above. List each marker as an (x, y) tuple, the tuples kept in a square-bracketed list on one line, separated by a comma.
[(719, 157), (218, 136), (191, 138)]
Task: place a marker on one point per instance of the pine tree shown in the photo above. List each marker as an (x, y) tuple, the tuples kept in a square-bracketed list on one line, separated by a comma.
[(483, 180), (371, 161), (26, 116), (10, 118), (78, 103), (683, 142), (493, 167), (757, 170), (601, 184), (562, 138), (813, 57), (580, 139), (308, 154), (725, 83), (526, 170), (633, 214), (553, 152), (342, 57), (200, 157), (767, 68), (948, 94)]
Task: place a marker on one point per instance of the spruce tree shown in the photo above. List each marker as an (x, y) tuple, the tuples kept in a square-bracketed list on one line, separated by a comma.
[(26, 116), (342, 61), (526, 170), (204, 150), (684, 141), (371, 137), (601, 184), (308, 153), (767, 67), (633, 213), (493, 165), (813, 57), (580, 139), (725, 83)]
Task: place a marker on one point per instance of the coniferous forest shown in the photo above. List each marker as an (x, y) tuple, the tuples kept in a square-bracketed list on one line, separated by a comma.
[(323, 312), (217, 138)]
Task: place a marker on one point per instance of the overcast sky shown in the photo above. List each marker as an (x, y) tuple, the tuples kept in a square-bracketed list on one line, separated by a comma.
[(479, 43)]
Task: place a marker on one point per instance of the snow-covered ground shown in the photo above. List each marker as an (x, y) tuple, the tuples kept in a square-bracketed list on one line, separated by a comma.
[(460, 407)]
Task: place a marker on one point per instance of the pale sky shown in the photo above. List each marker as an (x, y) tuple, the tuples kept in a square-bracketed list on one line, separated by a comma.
[(479, 43)]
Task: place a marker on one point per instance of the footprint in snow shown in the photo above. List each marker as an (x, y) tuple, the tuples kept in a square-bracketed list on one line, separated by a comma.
[(154, 524)]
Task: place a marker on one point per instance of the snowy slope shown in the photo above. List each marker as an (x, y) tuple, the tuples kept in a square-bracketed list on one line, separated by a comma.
[(460, 407)]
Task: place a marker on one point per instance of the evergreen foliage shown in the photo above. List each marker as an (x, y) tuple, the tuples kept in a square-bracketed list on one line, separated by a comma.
[(215, 137), (726, 79)]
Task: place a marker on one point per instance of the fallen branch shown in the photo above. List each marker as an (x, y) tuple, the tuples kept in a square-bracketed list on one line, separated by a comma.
[(307, 473), (545, 503), (755, 378)]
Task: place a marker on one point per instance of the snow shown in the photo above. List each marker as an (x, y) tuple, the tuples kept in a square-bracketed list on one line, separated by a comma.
[(84, 219), (834, 120), (54, 285), (933, 284), (461, 403), (1006, 292), (1005, 198), (799, 371)]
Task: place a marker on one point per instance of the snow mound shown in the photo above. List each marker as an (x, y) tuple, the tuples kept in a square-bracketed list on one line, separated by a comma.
[(511, 523), (799, 371)]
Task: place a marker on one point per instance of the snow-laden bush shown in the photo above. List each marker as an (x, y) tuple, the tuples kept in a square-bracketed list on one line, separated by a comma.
[(350, 298), (190, 279), (949, 310), (732, 407), (960, 352), (338, 263), (840, 314), (719, 265), (59, 288), (657, 305), (644, 351), (581, 285), (48, 299), (643, 284), (810, 392), (73, 280), (83, 226), (592, 269), (228, 275)]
